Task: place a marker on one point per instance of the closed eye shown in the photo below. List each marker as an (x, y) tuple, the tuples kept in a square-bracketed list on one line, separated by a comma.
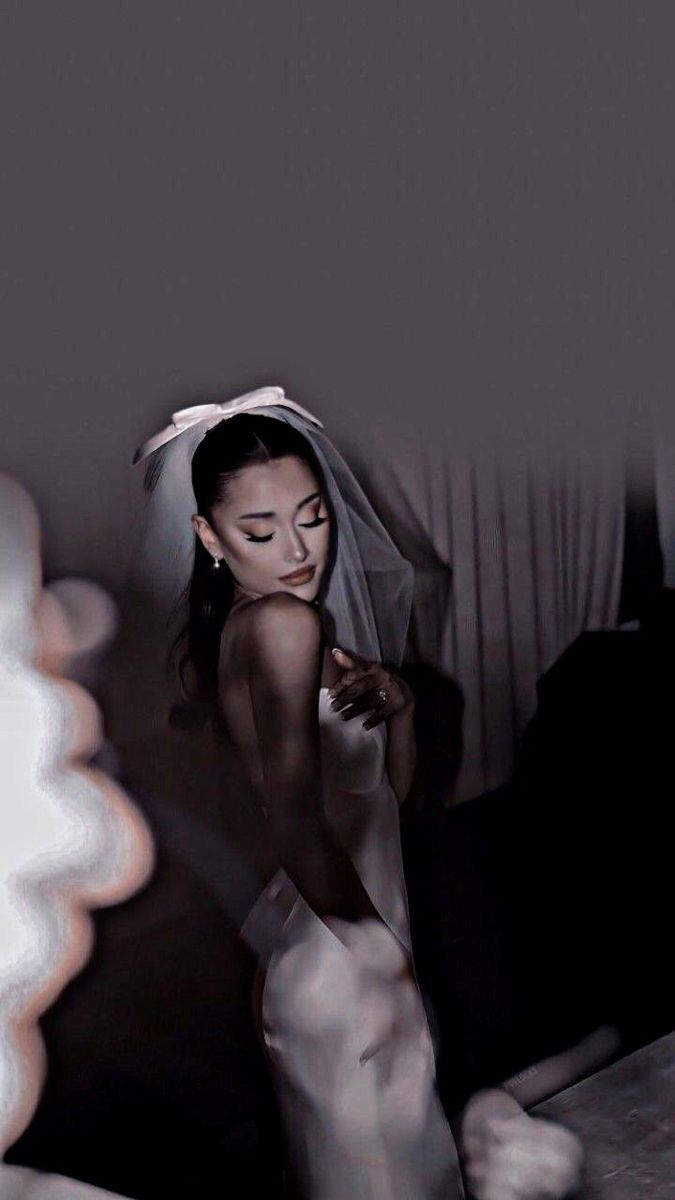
[(251, 537)]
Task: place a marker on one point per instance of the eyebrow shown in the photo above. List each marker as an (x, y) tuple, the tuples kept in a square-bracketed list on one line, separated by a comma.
[(245, 516)]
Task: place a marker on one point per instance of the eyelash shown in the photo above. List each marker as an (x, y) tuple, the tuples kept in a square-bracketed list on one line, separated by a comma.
[(250, 537)]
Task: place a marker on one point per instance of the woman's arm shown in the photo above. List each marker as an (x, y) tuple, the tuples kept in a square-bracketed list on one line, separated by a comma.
[(402, 747), (284, 653)]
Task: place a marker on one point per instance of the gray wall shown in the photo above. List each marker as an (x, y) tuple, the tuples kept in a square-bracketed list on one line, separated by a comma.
[(445, 214)]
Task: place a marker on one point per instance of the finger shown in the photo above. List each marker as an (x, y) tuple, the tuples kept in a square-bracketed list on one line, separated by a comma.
[(344, 659), (376, 718), (357, 709), (367, 702), (346, 662), (351, 662), (381, 711), (350, 678), (348, 692)]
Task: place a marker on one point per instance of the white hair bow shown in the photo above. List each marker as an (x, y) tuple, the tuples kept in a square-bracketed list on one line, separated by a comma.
[(210, 414)]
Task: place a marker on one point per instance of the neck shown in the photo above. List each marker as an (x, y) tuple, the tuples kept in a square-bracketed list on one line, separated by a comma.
[(241, 593)]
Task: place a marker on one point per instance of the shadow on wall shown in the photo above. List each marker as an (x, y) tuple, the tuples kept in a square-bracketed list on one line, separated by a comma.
[(541, 911), (439, 710)]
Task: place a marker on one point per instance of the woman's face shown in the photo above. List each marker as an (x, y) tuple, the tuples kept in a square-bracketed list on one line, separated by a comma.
[(274, 522)]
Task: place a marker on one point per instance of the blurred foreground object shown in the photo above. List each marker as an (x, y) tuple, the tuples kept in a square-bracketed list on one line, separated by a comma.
[(70, 839), (18, 1183), (510, 1156)]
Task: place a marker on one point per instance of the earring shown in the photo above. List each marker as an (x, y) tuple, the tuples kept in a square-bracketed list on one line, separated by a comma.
[(216, 564)]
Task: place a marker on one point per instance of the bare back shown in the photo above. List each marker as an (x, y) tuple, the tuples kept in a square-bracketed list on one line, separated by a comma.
[(235, 698)]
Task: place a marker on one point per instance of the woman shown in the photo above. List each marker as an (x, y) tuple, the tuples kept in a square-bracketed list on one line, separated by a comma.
[(288, 563)]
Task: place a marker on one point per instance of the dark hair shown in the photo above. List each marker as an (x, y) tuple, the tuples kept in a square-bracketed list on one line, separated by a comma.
[(232, 445)]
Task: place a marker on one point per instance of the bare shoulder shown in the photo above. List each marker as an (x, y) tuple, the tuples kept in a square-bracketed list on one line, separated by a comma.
[(282, 613), (285, 636)]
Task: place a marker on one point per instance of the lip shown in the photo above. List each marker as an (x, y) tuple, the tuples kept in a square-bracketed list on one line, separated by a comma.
[(298, 577)]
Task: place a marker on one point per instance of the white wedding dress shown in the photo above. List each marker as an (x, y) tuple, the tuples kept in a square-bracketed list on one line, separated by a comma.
[(355, 1130)]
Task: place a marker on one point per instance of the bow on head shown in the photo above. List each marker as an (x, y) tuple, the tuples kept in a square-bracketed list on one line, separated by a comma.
[(209, 415)]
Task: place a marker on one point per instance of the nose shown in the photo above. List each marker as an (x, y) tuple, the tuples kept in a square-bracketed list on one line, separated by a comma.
[(296, 551)]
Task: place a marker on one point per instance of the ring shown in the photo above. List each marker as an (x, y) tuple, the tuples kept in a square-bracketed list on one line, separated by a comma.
[(382, 695)]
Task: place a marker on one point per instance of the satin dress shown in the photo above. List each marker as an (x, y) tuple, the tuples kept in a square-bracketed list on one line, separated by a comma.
[(354, 1130)]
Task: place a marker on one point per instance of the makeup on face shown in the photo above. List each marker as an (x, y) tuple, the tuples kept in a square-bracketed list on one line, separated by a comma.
[(274, 528)]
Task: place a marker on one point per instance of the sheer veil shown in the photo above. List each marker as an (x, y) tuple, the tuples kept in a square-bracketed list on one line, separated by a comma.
[(366, 602)]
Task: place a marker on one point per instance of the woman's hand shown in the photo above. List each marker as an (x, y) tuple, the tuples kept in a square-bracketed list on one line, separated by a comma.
[(368, 687)]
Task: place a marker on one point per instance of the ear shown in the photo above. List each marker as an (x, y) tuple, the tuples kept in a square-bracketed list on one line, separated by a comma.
[(205, 534)]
